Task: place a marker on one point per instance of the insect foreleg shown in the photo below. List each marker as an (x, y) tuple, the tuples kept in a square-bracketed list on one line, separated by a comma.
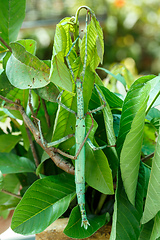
[(62, 105), (103, 100)]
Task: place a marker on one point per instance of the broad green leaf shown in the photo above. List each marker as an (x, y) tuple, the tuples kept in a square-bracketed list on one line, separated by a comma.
[(65, 121), (5, 85), (25, 70), (153, 113), (126, 218), (113, 100), (118, 76), (146, 231), (8, 142), (111, 139), (149, 139), (12, 14), (152, 206), (74, 229), (99, 40), (95, 45), (49, 92), (91, 41), (88, 86), (45, 201), (156, 227), (131, 152), (132, 103), (60, 74), (28, 44), (62, 38), (11, 163), (98, 172), (154, 97), (99, 175)]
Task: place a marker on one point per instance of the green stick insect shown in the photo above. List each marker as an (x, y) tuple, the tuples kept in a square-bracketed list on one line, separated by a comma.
[(81, 137)]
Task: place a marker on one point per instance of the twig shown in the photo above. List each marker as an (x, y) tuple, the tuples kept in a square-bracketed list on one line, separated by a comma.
[(147, 157), (51, 151), (11, 194), (6, 44), (46, 113), (32, 147)]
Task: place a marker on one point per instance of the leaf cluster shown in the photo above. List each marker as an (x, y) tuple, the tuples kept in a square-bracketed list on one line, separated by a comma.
[(122, 181)]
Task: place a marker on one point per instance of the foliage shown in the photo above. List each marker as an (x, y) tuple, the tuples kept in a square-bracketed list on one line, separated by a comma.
[(130, 121)]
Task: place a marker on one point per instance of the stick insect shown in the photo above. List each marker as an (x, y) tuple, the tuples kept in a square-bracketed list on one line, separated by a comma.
[(81, 137)]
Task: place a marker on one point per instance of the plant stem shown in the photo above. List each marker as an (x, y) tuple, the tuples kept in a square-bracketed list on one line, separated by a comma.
[(32, 147), (101, 202), (46, 113), (11, 194), (5, 44), (147, 157), (51, 151), (152, 102)]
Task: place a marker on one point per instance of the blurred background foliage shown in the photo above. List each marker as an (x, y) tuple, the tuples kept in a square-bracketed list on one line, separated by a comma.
[(131, 29)]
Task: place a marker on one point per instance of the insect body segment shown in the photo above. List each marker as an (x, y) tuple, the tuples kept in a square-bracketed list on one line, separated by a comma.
[(80, 133), (81, 137)]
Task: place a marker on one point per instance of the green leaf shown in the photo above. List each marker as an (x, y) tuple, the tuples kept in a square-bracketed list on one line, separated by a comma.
[(62, 39), (99, 175), (60, 74), (25, 70), (45, 201), (8, 142), (49, 92), (132, 103), (65, 121), (149, 139), (131, 152), (126, 218), (156, 228), (91, 41), (146, 231), (12, 14), (5, 85), (152, 206), (28, 44), (118, 76), (74, 229), (95, 45), (11, 163), (111, 98)]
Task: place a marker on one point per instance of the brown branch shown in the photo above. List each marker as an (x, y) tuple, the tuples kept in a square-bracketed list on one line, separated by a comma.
[(11, 194), (6, 44), (51, 151), (147, 157), (46, 113), (39, 104), (32, 147), (57, 159)]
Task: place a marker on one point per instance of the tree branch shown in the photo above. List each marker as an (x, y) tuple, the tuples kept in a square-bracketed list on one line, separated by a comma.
[(11, 194), (6, 44), (51, 151)]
